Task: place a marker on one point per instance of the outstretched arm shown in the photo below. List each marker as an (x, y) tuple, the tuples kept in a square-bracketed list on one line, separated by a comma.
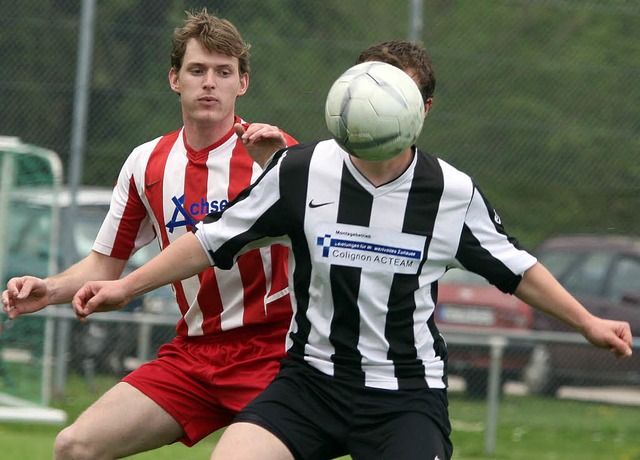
[(541, 290), (183, 258), (28, 294)]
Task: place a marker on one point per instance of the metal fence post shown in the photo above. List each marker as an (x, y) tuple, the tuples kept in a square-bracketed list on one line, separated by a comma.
[(497, 345)]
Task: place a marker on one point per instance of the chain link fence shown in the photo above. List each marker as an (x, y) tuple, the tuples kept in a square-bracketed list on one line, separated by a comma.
[(538, 100)]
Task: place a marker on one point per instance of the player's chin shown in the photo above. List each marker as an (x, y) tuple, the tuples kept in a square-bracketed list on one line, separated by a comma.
[(207, 114)]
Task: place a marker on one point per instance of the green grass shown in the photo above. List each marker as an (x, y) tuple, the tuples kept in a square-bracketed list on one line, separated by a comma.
[(529, 428), (547, 429)]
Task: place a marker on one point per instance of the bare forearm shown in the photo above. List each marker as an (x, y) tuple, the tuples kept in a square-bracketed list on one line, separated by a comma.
[(182, 259), (95, 267), (542, 291)]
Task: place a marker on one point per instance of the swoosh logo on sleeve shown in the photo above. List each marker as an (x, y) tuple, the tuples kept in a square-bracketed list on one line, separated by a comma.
[(318, 205)]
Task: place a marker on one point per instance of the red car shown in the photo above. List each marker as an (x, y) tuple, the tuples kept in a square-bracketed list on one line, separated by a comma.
[(466, 300)]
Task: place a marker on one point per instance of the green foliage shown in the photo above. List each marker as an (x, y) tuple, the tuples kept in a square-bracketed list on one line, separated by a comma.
[(537, 100)]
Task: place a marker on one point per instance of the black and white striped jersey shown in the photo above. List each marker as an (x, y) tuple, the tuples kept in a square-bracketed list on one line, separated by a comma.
[(367, 259)]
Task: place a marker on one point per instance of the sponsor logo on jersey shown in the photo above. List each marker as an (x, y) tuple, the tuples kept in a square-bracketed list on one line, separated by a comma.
[(189, 214), (377, 249), (312, 204)]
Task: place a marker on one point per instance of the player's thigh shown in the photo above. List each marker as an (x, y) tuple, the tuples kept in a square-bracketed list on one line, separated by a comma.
[(246, 441), (127, 415)]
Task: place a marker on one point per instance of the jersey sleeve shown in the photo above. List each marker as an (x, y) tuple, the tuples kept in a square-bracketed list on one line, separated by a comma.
[(127, 226), (486, 249), (254, 219)]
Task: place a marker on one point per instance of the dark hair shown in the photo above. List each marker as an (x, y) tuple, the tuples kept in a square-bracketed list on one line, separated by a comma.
[(214, 34), (407, 56)]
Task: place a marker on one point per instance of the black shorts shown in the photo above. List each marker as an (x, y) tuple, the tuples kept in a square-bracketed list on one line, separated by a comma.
[(319, 417)]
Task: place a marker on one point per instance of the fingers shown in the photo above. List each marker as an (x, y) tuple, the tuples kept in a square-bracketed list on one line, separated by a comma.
[(7, 305), (620, 339), (17, 289), (239, 129), (80, 302), (257, 132), (625, 340), (20, 288)]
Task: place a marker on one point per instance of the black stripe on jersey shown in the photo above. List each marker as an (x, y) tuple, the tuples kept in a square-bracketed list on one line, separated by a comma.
[(215, 216), (422, 209), (224, 256), (477, 259), (294, 172), (354, 208), (439, 345)]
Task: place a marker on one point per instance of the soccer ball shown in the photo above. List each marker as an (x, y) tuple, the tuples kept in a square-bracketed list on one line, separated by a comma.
[(374, 111)]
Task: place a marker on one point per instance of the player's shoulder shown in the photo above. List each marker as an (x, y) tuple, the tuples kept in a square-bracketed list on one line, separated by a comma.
[(301, 154), (434, 161), (168, 139)]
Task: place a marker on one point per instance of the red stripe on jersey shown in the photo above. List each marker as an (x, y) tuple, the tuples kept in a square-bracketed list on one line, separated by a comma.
[(280, 271), (250, 264), (195, 191), (134, 212), (154, 180), (240, 170), (154, 191), (254, 284)]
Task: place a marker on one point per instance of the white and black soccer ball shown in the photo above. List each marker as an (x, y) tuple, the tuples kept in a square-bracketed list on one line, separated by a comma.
[(374, 111)]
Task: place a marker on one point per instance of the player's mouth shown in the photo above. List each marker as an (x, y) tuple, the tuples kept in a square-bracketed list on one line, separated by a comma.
[(208, 100)]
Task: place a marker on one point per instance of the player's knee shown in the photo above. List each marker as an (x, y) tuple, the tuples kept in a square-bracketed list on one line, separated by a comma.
[(69, 445)]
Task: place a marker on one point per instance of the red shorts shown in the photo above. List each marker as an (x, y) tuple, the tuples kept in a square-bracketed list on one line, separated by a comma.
[(202, 382)]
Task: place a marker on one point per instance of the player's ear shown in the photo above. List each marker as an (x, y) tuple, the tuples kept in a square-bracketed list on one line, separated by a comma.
[(174, 82), (427, 106), (244, 84)]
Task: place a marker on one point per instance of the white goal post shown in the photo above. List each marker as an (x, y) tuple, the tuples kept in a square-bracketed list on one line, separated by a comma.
[(25, 165)]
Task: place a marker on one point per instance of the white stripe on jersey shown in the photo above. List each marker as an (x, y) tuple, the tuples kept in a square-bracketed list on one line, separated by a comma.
[(321, 190)]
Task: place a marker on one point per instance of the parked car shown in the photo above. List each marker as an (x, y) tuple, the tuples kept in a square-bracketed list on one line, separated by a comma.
[(31, 241), (467, 300), (603, 272)]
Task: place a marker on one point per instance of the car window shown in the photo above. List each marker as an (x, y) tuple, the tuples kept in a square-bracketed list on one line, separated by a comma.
[(624, 278), (558, 261), (588, 277), (29, 236), (85, 230)]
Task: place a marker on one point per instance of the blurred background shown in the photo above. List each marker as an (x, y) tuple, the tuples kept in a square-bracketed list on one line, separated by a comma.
[(537, 100)]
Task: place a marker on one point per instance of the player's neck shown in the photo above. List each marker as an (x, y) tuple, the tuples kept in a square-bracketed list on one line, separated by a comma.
[(201, 135), (383, 172)]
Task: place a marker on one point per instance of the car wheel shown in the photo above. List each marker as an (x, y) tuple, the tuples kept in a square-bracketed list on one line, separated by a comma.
[(538, 374)]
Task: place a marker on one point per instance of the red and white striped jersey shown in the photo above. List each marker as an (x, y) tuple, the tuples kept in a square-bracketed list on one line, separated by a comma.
[(163, 189)]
